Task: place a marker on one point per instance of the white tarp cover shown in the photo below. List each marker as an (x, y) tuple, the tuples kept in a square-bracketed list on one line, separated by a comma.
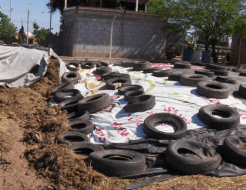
[(17, 62), (114, 125)]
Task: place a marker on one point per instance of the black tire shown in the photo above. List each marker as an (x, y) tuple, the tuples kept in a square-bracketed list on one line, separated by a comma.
[(122, 90), (70, 104), (220, 72), (145, 102), (190, 157), (243, 74), (71, 76), (114, 83), (152, 121), (71, 137), (102, 70), (181, 65), (211, 89), (140, 65), (237, 70), (75, 68), (162, 73), (232, 150), (102, 64), (85, 149), (242, 90), (204, 72), (214, 67), (151, 69), (61, 96), (64, 86), (192, 79), (118, 162), (87, 65), (83, 115), (81, 126), (111, 75), (133, 96), (225, 80), (174, 76), (94, 103), (124, 64), (232, 119)]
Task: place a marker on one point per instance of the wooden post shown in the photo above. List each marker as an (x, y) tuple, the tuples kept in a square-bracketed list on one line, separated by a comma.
[(100, 3), (111, 36), (27, 27), (136, 6), (239, 52), (65, 4)]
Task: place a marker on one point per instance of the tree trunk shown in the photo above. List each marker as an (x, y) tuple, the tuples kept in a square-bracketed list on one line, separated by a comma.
[(206, 43), (214, 56)]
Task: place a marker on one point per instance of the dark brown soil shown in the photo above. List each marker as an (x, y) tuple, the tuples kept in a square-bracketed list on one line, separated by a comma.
[(31, 159)]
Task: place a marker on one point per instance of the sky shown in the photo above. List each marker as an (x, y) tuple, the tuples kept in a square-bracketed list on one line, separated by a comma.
[(39, 12)]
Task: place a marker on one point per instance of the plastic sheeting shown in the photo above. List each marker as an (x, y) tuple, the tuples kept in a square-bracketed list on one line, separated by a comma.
[(114, 125), (117, 129), (21, 67)]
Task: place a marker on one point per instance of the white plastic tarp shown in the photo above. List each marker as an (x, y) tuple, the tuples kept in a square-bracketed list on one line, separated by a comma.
[(114, 125), (17, 62)]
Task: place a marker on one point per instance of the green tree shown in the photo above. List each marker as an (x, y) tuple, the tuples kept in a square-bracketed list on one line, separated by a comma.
[(211, 18), (7, 29), (42, 34)]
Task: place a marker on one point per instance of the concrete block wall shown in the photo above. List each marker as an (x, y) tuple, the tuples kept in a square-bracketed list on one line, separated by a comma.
[(135, 35)]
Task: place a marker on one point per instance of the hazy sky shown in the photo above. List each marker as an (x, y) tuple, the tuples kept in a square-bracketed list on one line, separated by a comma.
[(38, 12)]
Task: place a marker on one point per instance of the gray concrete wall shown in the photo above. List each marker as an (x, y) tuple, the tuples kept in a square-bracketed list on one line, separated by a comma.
[(135, 35)]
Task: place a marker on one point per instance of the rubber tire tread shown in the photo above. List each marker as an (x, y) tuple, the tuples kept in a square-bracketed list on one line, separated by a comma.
[(85, 130), (122, 90), (220, 72), (61, 137), (76, 68), (70, 104), (146, 102), (60, 95), (208, 92), (140, 66), (102, 101), (204, 72), (162, 73), (63, 86), (110, 82), (242, 90), (118, 168), (83, 115), (87, 145), (151, 121), (111, 75), (232, 152), (151, 69), (102, 70), (188, 81), (205, 115), (87, 65), (174, 76), (225, 80), (190, 165), (64, 77), (133, 96), (180, 65)]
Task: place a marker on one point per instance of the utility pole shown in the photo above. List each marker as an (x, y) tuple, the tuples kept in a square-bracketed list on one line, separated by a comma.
[(10, 10), (27, 26), (136, 6), (50, 14)]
